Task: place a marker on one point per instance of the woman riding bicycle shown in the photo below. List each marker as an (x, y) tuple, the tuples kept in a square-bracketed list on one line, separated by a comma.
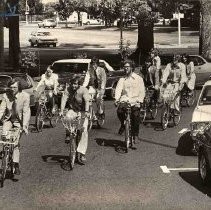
[(173, 79), (77, 98), (49, 82), (191, 76)]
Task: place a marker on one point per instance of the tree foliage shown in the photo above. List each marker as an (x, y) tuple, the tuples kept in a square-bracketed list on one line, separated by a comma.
[(34, 6)]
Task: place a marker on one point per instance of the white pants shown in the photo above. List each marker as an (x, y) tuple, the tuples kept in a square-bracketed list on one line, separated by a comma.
[(191, 81), (98, 95), (8, 125), (83, 143)]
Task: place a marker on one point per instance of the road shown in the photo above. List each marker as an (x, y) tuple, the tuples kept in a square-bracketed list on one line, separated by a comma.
[(111, 179), (100, 37)]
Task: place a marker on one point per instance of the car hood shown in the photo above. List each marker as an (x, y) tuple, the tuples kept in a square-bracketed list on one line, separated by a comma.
[(201, 114), (63, 78)]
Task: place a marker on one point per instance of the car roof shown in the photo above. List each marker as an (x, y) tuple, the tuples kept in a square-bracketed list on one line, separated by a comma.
[(78, 60), (12, 74)]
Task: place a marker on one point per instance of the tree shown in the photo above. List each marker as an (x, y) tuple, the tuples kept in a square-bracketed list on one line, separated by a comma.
[(205, 29), (1, 36), (65, 9)]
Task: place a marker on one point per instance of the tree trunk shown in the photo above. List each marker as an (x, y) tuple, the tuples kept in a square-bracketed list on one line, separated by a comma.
[(145, 40), (1, 37), (205, 29), (14, 42)]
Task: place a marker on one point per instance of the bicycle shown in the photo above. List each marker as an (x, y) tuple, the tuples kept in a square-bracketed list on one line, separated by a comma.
[(127, 123), (188, 97), (8, 140), (74, 128), (43, 113), (149, 106), (93, 116), (169, 113)]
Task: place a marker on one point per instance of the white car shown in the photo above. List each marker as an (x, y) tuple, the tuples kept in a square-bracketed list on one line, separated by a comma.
[(94, 22), (39, 38), (47, 23)]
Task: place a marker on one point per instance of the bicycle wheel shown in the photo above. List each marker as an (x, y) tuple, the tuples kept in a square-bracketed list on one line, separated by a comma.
[(4, 165), (72, 155), (176, 117), (127, 135), (153, 110), (191, 98), (39, 119), (100, 120), (165, 117)]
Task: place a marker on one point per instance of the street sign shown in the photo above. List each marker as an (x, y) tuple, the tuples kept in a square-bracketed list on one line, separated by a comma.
[(178, 15)]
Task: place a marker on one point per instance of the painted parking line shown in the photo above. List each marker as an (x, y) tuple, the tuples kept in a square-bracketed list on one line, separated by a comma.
[(184, 130), (167, 170)]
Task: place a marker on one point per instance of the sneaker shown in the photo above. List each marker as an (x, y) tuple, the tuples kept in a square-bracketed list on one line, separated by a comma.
[(121, 130), (82, 159), (17, 169), (67, 139)]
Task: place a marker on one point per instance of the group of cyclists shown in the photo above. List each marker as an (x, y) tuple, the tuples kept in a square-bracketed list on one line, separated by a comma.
[(131, 88)]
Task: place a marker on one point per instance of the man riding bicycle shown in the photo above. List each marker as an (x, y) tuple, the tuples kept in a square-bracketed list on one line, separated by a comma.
[(49, 82), (174, 77), (130, 89), (15, 112), (95, 80), (77, 98)]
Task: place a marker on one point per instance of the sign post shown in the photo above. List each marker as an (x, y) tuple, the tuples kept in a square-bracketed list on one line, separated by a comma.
[(178, 16)]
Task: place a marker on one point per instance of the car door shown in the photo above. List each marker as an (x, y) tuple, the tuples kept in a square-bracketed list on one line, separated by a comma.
[(201, 68)]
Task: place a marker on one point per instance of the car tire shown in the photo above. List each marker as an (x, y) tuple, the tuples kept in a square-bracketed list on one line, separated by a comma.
[(204, 168), (39, 26), (88, 23), (54, 45), (38, 45), (113, 89), (32, 44)]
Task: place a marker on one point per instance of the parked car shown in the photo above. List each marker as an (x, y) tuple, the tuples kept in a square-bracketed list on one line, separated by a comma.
[(93, 22), (39, 38), (201, 132), (202, 67), (27, 82), (68, 67), (47, 23)]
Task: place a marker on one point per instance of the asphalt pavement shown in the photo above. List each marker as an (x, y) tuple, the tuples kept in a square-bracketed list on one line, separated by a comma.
[(111, 178)]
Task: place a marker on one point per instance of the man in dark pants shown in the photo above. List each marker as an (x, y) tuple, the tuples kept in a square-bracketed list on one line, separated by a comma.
[(130, 89)]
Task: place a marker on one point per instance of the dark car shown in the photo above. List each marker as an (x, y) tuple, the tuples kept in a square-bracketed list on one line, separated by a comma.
[(68, 67), (27, 83)]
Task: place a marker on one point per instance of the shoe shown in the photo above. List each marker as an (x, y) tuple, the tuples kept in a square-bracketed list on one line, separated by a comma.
[(82, 159), (67, 139), (17, 169), (121, 130)]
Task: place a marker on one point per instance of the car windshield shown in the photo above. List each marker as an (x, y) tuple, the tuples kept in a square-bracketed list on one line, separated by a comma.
[(25, 82), (70, 67), (206, 96), (50, 21), (43, 34)]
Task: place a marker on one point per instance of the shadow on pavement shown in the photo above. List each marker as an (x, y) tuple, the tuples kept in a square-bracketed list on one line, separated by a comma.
[(156, 143), (185, 145), (156, 125), (193, 179), (55, 158), (83, 45), (117, 144)]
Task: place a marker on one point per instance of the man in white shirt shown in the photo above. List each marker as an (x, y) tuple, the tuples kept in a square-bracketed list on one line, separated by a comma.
[(130, 89), (49, 81)]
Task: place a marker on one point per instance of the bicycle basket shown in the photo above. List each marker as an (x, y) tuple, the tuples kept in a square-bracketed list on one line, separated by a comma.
[(168, 96), (11, 135), (71, 125), (42, 98)]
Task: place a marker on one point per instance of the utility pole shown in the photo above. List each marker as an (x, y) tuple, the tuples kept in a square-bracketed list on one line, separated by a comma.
[(1, 35)]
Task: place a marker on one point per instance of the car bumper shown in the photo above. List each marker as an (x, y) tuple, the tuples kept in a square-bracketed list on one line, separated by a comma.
[(47, 42)]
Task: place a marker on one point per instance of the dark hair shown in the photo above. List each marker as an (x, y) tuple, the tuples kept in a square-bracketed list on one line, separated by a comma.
[(95, 60), (132, 64), (76, 78), (148, 60), (177, 57), (13, 81), (155, 51), (186, 56)]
